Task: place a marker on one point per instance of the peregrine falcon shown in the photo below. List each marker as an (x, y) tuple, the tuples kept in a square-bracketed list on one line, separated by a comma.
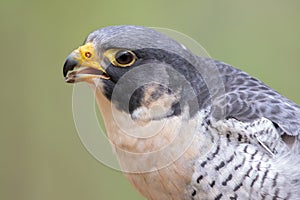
[(188, 127)]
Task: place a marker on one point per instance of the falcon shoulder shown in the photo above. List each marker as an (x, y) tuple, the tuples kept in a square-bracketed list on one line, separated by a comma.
[(248, 99)]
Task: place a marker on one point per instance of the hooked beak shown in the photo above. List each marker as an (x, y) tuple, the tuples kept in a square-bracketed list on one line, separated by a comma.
[(82, 65)]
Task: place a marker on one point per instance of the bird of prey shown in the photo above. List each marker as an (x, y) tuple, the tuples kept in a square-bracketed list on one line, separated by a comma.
[(184, 126)]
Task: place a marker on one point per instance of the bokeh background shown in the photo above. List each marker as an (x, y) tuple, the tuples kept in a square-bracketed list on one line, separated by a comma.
[(41, 156)]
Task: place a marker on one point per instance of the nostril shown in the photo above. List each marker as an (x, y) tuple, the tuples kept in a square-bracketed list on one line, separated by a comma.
[(69, 65)]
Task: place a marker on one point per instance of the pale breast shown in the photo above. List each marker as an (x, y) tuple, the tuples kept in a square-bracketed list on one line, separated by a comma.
[(157, 157)]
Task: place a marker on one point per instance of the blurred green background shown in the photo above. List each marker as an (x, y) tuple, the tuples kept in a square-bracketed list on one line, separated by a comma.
[(41, 156)]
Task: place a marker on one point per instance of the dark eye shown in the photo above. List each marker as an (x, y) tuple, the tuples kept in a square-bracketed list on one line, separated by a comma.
[(125, 58)]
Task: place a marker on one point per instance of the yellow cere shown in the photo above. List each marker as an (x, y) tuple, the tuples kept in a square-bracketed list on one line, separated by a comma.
[(88, 57), (87, 51)]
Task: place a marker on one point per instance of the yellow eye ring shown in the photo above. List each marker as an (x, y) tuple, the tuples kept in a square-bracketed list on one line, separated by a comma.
[(121, 57), (124, 58)]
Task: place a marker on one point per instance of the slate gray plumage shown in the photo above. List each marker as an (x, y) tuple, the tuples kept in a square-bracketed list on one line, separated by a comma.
[(248, 134)]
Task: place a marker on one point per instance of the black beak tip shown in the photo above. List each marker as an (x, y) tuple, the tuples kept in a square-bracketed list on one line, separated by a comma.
[(69, 65)]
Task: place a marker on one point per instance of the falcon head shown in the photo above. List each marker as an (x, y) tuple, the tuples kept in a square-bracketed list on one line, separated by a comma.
[(139, 70)]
